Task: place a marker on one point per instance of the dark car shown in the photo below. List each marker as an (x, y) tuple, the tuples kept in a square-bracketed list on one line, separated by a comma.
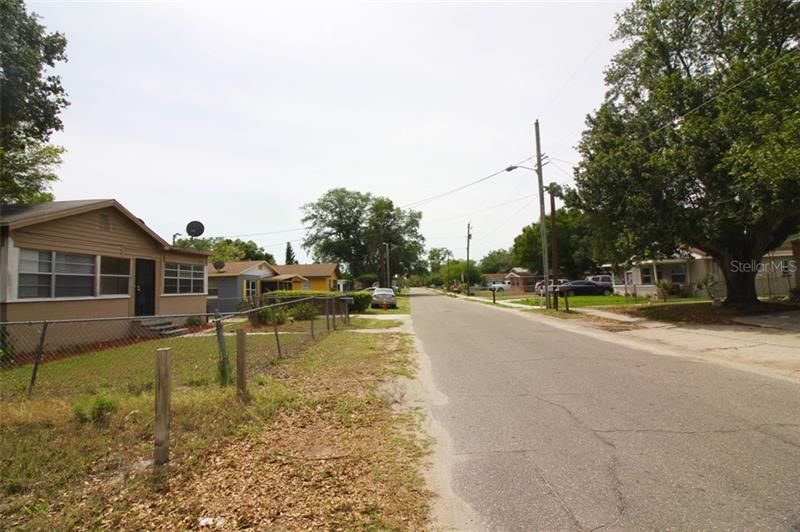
[(583, 288)]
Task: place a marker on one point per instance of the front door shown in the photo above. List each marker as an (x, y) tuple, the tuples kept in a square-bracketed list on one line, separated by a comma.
[(145, 302)]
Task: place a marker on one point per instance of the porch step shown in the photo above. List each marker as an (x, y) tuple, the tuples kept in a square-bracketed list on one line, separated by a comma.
[(163, 327)]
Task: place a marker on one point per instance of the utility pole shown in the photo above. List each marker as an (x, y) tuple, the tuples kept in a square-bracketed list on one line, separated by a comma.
[(554, 242), (388, 276), (541, 215), (469, 237)]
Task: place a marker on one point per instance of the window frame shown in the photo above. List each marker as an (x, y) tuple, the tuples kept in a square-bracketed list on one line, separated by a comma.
[(53, 274), (186, 272)]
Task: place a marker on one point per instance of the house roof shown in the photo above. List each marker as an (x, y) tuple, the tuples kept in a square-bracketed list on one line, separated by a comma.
[(284, 277), (519, 272), (495, 276), (18, 216), (235, 268), (325, 269)]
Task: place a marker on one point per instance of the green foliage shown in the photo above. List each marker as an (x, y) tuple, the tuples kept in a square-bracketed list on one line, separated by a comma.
[(437, 257), (367, 279), (456, 268), (97, 410), (707, 283), (361, 301), (6, 347), (698, 140), (664, 289), (794, 294), (575, 247), (497, 261), (30, 101), (226, 249), (351, 228), (289, 258), (303, 311), (194, 321)]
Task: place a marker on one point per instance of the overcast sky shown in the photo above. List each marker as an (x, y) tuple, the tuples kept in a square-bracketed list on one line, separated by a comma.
[(237, 114)]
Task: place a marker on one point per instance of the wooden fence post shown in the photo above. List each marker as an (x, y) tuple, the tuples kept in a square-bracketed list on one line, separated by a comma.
[(241, 365), (161, 447)]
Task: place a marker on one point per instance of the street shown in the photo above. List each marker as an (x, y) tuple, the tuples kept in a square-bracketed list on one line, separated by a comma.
[(551, 429)]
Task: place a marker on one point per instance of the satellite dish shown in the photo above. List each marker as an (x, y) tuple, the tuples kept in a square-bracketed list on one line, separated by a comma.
[(218, 265), (194, 229)]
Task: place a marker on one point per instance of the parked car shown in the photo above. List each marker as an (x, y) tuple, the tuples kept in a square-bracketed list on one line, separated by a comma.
[(584, 288), (498, 286), (602, 279), (539, 287), (383, 296), (370, 289)]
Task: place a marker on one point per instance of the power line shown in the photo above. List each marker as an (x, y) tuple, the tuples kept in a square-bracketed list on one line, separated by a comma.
[(439, 220), (424, 201)]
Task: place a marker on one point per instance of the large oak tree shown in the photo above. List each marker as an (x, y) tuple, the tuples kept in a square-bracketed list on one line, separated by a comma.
[(352, 228), (697, 142)]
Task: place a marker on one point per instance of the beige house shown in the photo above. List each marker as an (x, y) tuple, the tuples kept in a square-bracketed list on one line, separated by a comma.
[(777, 272), (90, 259)]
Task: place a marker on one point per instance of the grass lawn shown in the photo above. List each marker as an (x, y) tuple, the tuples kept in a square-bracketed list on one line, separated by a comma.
[(702, 313), (612, 300), (318, 447), (367, 323), (500, 295), (403, 307)]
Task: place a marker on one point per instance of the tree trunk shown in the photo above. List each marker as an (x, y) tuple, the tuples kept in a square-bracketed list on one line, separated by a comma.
[(740, 281)]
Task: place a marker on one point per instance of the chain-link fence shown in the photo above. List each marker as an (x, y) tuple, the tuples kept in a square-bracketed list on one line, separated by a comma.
[(64, 358)]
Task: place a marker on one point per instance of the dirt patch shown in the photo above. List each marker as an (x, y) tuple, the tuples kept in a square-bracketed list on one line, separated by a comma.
[(702, 313)]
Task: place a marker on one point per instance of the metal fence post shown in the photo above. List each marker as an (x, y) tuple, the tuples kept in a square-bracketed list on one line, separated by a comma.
[(313, 317), (38, 359), (333, 312), (241, 365), (224, 364), (277, 337), (161, 425), (327, 318)]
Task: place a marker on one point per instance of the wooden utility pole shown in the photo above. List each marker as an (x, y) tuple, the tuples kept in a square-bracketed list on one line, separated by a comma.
[(388, 275), (554, 242), (469, 237), (541, 215)]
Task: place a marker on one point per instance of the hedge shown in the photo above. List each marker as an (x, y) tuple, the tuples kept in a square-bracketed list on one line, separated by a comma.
[(361, 299)]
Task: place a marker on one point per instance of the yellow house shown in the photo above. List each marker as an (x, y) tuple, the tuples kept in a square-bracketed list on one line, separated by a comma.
[(320, 277)]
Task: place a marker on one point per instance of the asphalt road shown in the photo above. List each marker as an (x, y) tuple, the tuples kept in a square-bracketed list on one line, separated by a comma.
[(554, 430)]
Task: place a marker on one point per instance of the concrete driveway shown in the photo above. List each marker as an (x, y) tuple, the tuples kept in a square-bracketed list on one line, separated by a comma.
[(543, 428)]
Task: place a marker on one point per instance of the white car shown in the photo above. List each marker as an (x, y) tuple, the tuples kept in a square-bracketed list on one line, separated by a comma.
[(499, 286)]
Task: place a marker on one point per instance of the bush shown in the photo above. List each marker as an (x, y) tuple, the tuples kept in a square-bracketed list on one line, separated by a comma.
[(361, 301), (303, 312), (664, 288), (98, 411), (277, 316), (794, 294), (194, 321)]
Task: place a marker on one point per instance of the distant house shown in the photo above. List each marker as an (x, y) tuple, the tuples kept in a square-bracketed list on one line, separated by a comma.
[(495, 277), (92, 259), (521, 279), (235, 282), (323, 276), (777, 272)]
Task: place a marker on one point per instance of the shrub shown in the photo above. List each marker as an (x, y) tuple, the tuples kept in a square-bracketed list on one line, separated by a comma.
[(278, 315), (664, 288), (97, 411), (6, 347), (194, 321), (361, 301), (303, 311), (794, 294)]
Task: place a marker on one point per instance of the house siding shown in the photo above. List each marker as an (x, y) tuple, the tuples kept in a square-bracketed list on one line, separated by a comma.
[(104, 232)]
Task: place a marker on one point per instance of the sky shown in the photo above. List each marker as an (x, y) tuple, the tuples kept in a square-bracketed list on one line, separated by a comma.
[(239, 113)]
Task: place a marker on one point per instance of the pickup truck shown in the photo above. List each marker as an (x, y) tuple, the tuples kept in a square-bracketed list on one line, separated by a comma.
[(498, 286)]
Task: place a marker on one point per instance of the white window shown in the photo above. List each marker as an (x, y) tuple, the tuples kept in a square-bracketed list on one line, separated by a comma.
[(250, 289), (184, 278), (306, 285), (647, 276), (55, 274), (115, 275)]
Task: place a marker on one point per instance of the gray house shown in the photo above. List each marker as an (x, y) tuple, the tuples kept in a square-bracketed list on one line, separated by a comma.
[(244, 281)]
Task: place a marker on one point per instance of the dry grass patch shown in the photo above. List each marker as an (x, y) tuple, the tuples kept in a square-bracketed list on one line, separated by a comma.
[(703, 313), (319, 447)]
